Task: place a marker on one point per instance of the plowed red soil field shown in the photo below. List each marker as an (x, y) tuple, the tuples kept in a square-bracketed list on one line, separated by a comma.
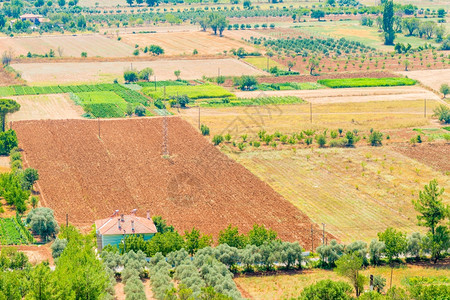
[(88, 178), (435, 155)]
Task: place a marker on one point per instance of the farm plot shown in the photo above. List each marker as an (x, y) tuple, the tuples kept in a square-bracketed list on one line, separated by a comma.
[(355, 192), (197, 185), (12, 233), (346, 95), (430, 78), (58, 73), (434, 155), (42, 107), (193, 92), (70, 46), (184, 43), (290, 118), (289, 286)]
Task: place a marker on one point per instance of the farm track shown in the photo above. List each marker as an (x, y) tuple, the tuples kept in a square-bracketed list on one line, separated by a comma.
[(350, 94), (88, 177)]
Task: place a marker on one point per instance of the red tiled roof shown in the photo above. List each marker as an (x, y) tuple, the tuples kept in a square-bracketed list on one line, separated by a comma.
[(109, 226), (30, 16)]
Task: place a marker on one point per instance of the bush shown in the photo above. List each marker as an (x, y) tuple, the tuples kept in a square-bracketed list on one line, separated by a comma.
[(327, 289), (442, 112), (140, 111), (204, 129), (130, 76), (29, 177), (321, 140), (8, 141), (217, 139), (376, 138)]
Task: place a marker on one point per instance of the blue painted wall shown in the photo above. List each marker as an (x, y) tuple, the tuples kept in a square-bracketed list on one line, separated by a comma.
[(114, 240)]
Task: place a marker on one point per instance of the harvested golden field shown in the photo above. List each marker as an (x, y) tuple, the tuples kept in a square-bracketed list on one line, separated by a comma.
[(89, 177), (88, 72), (44, 107), (94, 45), (289, 286), (356, 192), (431, 78), (184, 43), (289, 118)]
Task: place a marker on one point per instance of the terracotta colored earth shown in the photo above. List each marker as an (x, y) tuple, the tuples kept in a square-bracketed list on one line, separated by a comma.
[(435, 155), (197, 185)]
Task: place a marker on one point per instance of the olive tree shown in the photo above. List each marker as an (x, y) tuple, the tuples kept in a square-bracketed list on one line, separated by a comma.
[(42, 222)]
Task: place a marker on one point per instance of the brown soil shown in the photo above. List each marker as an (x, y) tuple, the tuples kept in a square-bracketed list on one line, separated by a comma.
[(7, 79), (88, 178), (36, 254), (435, 155)]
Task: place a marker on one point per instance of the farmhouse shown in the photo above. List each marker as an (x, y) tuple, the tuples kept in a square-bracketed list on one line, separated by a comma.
[(112, 230), (36, 19)]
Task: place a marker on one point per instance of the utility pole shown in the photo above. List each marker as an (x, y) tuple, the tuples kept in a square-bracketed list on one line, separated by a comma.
[(199, 117), (323, 234), (312, 238), (425, 109), (67, 220), (390, 284)]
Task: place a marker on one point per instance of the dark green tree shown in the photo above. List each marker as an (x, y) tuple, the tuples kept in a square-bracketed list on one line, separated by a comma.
[(327, 289), (7, 106), (232, 238), (388, 22), (395, 243)]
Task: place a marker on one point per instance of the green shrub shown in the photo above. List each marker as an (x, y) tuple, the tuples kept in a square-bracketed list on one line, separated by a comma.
[(217, 139), (204, 129), (376, 138), (8, 141)]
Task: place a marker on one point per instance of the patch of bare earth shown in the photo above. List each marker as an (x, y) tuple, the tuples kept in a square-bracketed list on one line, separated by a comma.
[(196, 185), (431, 78), (436, 155), (350, 94)]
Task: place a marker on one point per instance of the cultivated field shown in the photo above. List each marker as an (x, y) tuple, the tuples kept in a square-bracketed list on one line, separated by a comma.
[(184, 43), (43, 107), (355, 192), (296, 117), (52, 73), (289, 286), (430, 78), (94, 45), (88, 178), (346, 95)]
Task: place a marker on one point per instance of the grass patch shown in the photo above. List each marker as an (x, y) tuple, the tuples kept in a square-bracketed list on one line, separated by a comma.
[(261, 63), (366, 82), (103, 104), (203, 91), (249, 102), (289, 86)]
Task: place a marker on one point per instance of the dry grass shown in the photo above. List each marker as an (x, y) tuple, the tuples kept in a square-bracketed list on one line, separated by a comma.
[(184, 43), (94, 45), (290, 286), (45, 107), (76, 72), (293, 118), (355, 192), (431, 78)]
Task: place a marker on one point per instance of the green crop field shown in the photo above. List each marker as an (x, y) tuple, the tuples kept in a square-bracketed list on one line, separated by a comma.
[(103, 104), (250, 102), (13, 233), (19, 90), (262, 63), (366, 82), (162, 83), (289, 86), (203, 91)]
